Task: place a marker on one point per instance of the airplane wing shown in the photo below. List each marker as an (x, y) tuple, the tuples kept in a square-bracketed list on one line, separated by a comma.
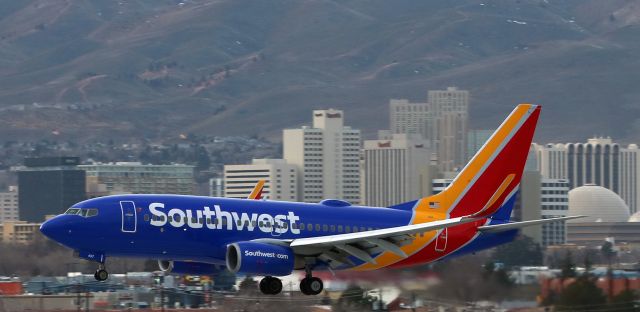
[(257, 190), (362, 244), (517, 225)]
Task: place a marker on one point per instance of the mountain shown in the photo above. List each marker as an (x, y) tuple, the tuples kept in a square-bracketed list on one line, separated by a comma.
[(160, 68)]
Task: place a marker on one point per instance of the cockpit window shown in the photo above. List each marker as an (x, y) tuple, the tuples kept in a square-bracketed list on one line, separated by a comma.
[(72, 211), (84, 212)]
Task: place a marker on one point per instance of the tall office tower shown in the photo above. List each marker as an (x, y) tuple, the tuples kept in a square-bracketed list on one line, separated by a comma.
[(411, 118), (48, 186), (136, 178), (475, 141), (629, 175), (395, 169), (551, 160), (326, 156), (449, 111), (216, 187), (528, 203), (280, 179), (9, 205), (596, 162), (600, 161), (555, 203)]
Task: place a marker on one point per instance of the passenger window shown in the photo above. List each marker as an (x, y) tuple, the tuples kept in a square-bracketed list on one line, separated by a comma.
[(254, 223), (310, 227), (170, 218), (246, 223), (201, 220), (285, 226), (177, 218), (333, 228), (325, 228), (268, 224), (215, 221), (347, 229), (208, 220), (369, 229), (261, 224), (339, 228), (362, 229), (318, 227), (238, 223), (146, 218), (194, 220)]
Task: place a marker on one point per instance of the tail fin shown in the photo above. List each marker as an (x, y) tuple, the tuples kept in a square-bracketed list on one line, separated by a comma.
[(493, 175)]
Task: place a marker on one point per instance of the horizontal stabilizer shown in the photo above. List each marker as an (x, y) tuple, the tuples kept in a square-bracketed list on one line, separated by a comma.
[(517, 225)]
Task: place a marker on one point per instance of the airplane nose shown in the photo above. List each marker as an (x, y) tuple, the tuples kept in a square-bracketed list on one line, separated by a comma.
[(53, 228)]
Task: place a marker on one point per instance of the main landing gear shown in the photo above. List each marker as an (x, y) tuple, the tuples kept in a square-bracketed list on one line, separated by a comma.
[(270, 285), (311, 285), (101, 274)]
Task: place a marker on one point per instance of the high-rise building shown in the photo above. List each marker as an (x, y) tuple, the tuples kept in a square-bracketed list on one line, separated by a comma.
[(449, 111), (528, 203), (395, 169), (9, 205), (555, 203), (216, 187), (410, 118), (629, 175), (326, 156), (48, 186), (280, 179), (136, 178), (475, 141), (600, 161)]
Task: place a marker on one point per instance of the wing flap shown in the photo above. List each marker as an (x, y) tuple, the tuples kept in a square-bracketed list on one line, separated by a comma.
[(343, 239), (517, 225)]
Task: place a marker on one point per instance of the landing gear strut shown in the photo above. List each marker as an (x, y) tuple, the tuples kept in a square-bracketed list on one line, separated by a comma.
[(270, 285), (101, 274), (311, 285)]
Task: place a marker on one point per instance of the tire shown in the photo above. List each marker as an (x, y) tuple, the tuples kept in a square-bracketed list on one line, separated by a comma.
[(101, 275), (311, 286), (315, 286), (270, 285)]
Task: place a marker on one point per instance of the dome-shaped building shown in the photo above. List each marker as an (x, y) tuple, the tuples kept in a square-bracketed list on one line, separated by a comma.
[(598, 204)]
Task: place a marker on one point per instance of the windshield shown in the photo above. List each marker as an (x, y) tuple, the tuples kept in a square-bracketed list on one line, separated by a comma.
[(84, 212)]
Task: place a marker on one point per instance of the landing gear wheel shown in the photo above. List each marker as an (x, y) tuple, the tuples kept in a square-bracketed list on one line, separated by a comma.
[(270, 285), (311, 286), (101, 275)]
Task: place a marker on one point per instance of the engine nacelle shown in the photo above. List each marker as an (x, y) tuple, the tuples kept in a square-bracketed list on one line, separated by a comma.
[(260, 259), (189, 268)]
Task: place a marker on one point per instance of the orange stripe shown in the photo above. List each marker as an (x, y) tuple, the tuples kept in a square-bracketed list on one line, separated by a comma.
[(257, 190), (423, 213)]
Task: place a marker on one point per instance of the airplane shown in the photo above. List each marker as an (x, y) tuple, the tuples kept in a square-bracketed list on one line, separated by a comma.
[(200, 235)]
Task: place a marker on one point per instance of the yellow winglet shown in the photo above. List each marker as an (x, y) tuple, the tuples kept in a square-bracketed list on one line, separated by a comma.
[(257, 190)]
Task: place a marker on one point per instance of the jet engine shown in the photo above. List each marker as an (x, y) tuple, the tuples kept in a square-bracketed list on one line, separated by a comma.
[(260, 259)]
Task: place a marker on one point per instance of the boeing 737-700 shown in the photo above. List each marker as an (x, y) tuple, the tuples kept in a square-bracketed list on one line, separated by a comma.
[(201, 235)]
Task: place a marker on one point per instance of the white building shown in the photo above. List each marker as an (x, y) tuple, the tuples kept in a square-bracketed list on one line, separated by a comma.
[(280, 179), (449, 111), (9, 205), (327, 158), (410, 118), (555, 203), (600, 161), (394, 169)]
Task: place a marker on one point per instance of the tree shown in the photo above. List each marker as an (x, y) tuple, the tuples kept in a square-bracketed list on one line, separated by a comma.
[(248, 285), (353, 298), (624, 301), (581, 295), (568, 267), (522, 251)]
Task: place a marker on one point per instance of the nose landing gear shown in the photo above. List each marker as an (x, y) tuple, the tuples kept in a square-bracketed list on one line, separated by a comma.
[(101, 274)]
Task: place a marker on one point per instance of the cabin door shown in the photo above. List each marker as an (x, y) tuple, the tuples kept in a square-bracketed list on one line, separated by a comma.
[(441, 240), (129, 216)]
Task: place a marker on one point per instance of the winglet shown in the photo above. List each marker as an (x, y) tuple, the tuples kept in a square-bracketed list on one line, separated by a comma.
[(257, 190)]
